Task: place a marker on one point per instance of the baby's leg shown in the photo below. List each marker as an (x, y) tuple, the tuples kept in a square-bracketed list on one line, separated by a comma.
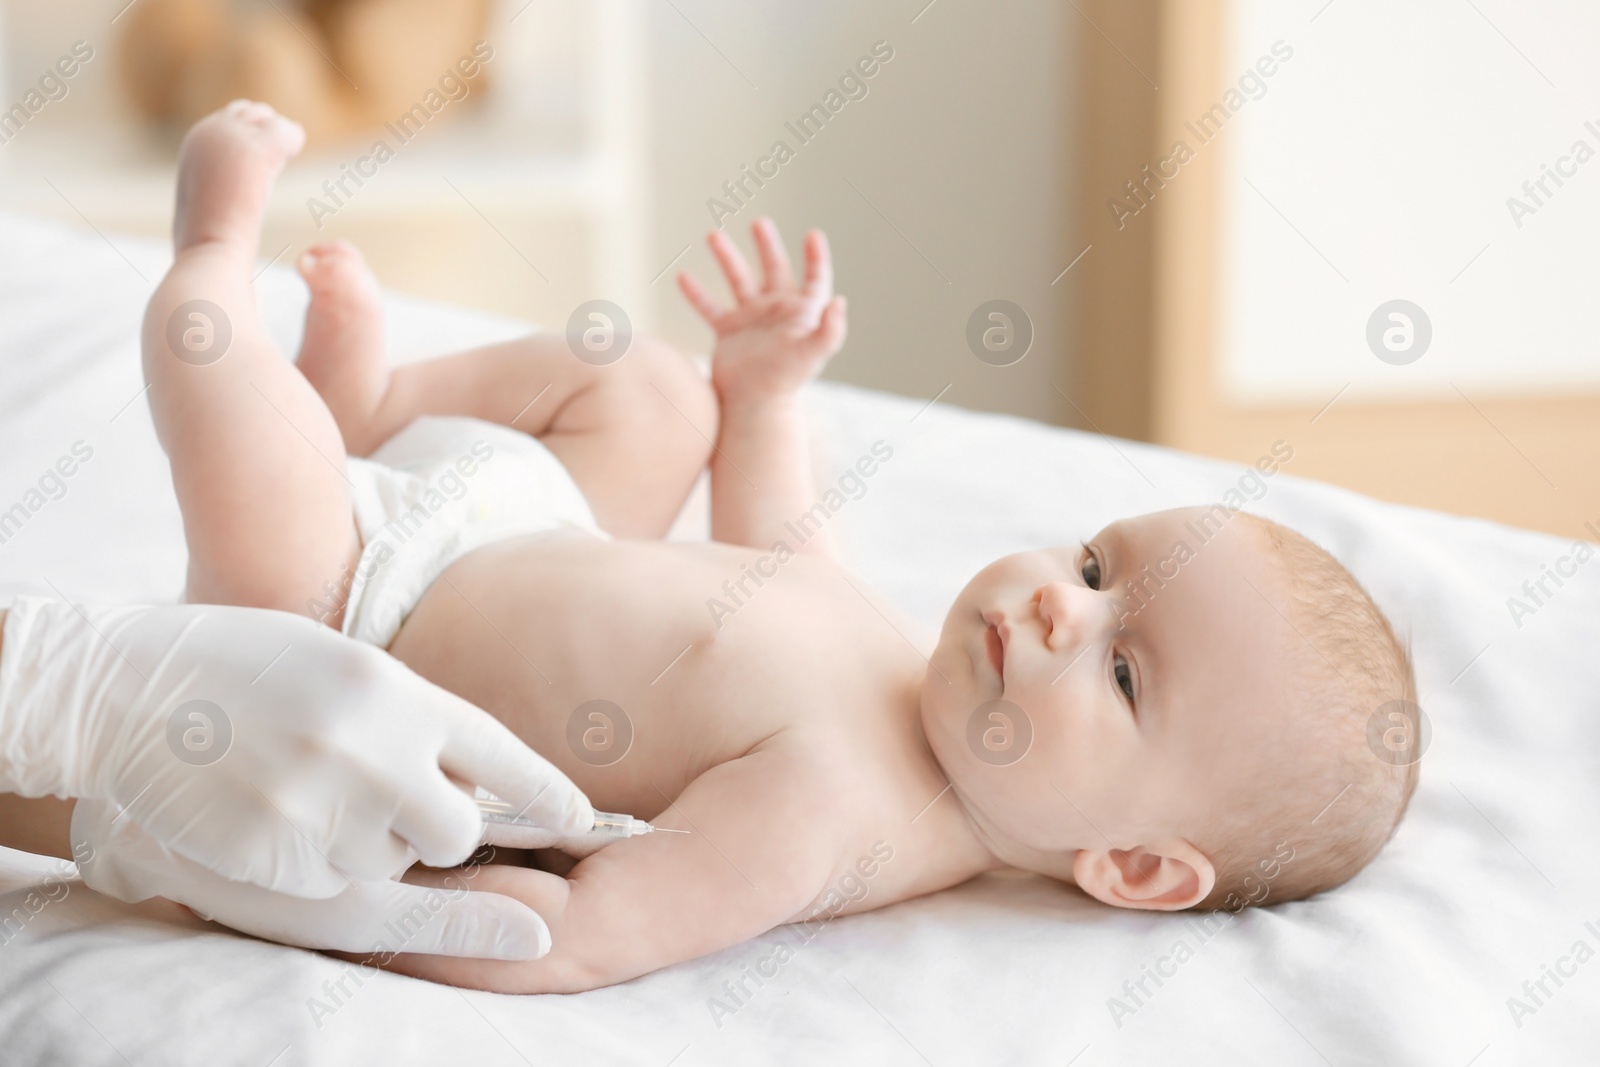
[(256, 457), (634, 435)]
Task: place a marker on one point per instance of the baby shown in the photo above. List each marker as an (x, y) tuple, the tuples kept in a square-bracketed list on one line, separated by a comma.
[(1206, 747)]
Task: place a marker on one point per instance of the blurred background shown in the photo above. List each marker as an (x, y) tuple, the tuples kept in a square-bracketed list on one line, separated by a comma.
[(1363, 229)]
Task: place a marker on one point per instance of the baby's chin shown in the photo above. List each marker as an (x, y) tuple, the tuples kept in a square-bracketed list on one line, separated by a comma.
[(960, 635), (938, 700), (950, 688)]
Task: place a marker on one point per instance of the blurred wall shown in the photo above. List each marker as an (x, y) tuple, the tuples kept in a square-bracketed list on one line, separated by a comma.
[(944, 187)]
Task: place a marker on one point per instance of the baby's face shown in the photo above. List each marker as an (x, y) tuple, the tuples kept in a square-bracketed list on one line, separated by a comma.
[(1144, 704)]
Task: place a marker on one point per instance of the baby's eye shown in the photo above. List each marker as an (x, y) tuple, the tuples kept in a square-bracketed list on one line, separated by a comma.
[(1124, 677), (1091, 569)]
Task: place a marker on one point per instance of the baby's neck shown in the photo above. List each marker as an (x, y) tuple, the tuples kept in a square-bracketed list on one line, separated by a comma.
[(1010, 853), (968, 834), (977, 832)]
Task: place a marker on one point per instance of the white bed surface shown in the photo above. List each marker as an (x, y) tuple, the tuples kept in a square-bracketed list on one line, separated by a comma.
[(1492, 876)]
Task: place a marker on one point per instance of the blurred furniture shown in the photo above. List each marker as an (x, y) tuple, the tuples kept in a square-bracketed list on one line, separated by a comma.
[(526, 197), (338, 67)]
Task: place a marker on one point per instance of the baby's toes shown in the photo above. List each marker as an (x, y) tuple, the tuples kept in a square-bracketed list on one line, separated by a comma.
[(336, 269), (248, 110), (254, 124)]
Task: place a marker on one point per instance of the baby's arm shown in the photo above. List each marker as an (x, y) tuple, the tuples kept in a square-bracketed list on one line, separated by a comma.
[(763, 843), (775, 339)]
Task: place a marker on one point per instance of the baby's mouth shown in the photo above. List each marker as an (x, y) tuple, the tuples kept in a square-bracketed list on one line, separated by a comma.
[(993, 644)]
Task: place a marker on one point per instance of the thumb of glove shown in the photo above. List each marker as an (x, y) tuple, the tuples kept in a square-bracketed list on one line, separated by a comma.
[(120, 859)]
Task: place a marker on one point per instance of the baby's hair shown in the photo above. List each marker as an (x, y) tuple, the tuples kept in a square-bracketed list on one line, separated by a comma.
[(1326, 802)]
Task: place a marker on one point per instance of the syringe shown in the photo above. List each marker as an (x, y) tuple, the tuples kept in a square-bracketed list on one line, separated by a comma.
[(611, 824), (606, 823)]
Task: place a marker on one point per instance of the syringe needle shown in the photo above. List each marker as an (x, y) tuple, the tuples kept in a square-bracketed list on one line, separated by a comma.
[(665, 830)]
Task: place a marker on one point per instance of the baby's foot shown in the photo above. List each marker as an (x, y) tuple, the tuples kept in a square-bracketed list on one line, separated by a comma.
[(226, 168), (342, 354), (778, 337)]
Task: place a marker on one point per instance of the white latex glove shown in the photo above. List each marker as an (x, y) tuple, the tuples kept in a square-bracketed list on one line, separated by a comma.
[(122, 859), (314, 761)]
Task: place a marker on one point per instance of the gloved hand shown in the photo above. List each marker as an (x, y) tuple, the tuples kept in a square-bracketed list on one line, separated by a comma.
[(120, 858), (258, 744)]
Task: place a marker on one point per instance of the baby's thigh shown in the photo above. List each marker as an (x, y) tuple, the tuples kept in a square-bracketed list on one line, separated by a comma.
[(636, 436), (633, 433)]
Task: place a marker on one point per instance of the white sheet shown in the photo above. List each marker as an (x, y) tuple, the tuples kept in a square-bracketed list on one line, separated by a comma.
[(1492, 876)]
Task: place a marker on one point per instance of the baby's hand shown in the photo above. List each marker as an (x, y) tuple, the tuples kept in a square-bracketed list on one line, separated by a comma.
[(777, 338)]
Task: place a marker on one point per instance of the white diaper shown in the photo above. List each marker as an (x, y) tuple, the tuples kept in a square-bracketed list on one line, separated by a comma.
[(434, 492)]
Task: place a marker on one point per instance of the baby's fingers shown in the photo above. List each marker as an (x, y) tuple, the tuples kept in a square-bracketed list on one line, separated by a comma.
[(774, 260), (819, 269), (699, 299), (733, 266), (829, 334)]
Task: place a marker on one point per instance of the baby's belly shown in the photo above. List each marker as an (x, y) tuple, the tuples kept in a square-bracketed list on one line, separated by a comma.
[(603, 658)]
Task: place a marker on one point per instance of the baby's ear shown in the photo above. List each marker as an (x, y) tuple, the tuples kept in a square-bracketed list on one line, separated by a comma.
[(1163, 876)]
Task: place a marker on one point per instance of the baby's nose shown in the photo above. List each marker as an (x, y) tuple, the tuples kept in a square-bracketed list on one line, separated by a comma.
[(1073, 615)]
